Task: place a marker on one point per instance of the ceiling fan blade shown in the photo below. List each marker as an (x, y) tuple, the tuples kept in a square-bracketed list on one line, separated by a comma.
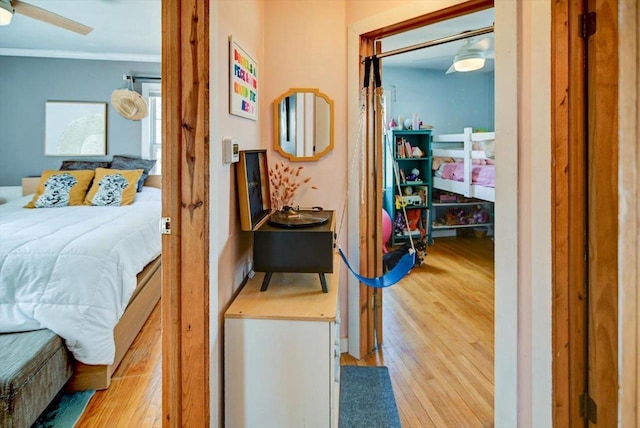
[(482, 45), (451, 70), (43, 15), (435, 58)]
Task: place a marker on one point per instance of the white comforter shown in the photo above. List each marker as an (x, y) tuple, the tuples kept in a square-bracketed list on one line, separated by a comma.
[(73, 269)]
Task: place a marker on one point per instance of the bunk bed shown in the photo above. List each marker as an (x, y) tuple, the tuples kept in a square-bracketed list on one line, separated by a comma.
[(464, 164)]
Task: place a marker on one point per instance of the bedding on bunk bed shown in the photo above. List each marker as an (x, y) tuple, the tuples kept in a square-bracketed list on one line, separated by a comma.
[(482, 174), (73, 269)]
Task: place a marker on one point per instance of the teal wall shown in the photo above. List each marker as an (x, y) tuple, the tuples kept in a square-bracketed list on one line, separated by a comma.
[(27, 83), (449, 102)]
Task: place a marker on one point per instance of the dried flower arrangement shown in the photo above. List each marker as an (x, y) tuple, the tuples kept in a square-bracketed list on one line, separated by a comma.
[(285, 181)]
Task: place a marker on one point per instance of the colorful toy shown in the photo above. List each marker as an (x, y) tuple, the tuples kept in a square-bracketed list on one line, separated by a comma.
[(399, 225), (414, 176), (400, 202)]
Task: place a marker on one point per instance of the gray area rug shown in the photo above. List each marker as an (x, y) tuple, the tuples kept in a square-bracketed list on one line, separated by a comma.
[(366, 398), (65, 410)]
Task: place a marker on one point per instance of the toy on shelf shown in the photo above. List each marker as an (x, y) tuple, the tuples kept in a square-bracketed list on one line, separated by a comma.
[(414, 177), (458, 216), (417, 152), (399, 225), (400, 202)]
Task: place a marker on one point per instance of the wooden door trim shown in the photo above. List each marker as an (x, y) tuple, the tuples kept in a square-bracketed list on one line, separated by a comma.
[(185, 198), (366, 210), (568, 213), (629, 158), (368, 237), (603, 185)]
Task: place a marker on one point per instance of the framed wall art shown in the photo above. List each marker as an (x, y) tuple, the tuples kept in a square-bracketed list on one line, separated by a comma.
[(243, 82), (75, 128)]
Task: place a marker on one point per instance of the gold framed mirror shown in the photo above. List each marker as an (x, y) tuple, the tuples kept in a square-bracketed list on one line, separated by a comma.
[(303, 124)]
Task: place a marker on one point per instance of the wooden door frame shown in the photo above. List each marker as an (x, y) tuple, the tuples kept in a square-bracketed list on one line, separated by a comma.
[(371, 205), (569, 336), (629, 218), (185, 199), (568, 201)]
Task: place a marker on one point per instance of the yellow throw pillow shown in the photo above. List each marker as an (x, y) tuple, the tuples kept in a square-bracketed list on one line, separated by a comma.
[(61, 189), (113, 187)]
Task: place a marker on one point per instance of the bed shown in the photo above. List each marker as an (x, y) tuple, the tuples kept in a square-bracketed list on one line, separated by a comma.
[(464, 164), (102, 319)]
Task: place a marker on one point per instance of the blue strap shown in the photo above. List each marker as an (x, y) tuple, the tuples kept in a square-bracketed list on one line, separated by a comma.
[(398, 272)]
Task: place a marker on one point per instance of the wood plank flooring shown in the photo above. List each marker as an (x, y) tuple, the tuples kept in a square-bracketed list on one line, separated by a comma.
[(438, 337), (134, 398), (438, 346)]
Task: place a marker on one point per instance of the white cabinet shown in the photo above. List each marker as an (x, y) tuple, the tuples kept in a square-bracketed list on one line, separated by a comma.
[(282, 356)]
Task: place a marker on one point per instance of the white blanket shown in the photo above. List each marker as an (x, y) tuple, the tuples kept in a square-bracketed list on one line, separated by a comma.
[(73, 269)]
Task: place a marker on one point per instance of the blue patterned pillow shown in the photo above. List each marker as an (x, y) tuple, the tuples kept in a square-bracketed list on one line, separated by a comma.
[(124, 162), (73, 165)]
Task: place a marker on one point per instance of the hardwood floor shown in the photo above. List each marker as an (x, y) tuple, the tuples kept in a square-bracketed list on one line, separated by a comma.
[(438, 346), (438, 337), (134, 398)]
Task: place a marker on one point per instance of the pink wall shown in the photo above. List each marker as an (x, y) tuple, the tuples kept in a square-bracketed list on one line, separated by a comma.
[(244, 20), (230, 248), (361, 9), (308, 56), (306, 46)]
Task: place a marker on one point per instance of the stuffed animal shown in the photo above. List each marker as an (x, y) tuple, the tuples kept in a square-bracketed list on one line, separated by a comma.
[(413, 216), (414, 176), (399, 225)]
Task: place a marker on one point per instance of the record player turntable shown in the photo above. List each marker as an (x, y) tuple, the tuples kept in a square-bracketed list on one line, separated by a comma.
[(290, 240)]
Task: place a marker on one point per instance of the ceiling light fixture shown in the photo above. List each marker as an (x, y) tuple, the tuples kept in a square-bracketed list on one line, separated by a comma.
[(6, 12), (468, 58), (469, 62)]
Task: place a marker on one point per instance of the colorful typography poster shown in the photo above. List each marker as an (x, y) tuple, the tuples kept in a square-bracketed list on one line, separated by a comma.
[(243, 82)]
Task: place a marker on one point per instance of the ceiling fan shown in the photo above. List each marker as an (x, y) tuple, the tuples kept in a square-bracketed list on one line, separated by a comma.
[(9, 7), (471, 55)]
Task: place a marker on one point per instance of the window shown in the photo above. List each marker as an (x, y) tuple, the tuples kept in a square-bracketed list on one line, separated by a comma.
[(152, 126)]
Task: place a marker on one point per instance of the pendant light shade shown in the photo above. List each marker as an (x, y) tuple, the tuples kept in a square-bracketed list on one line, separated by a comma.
[(469, 62), (6, 12), (469, 58)]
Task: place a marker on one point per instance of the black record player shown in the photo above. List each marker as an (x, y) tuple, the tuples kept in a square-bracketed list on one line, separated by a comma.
[(295, 241), (290, 240)]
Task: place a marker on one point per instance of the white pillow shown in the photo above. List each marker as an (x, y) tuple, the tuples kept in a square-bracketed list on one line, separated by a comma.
[(489, 148), (149, 194)]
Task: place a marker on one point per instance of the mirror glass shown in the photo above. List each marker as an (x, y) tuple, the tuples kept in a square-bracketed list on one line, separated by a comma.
[(303, 124)]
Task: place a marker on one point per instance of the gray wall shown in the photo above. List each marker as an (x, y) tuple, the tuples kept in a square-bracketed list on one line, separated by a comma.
[(450, 102), (27, 83)]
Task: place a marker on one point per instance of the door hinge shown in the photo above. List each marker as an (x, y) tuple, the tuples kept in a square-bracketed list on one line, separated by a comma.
[(587, 22), (165, 226), (588, 408), (377, 300)]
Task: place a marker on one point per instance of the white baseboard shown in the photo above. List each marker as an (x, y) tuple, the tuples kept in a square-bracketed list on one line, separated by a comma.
[(344, 344)]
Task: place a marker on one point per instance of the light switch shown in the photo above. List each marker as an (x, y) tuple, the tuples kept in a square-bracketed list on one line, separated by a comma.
[(231, 150)]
